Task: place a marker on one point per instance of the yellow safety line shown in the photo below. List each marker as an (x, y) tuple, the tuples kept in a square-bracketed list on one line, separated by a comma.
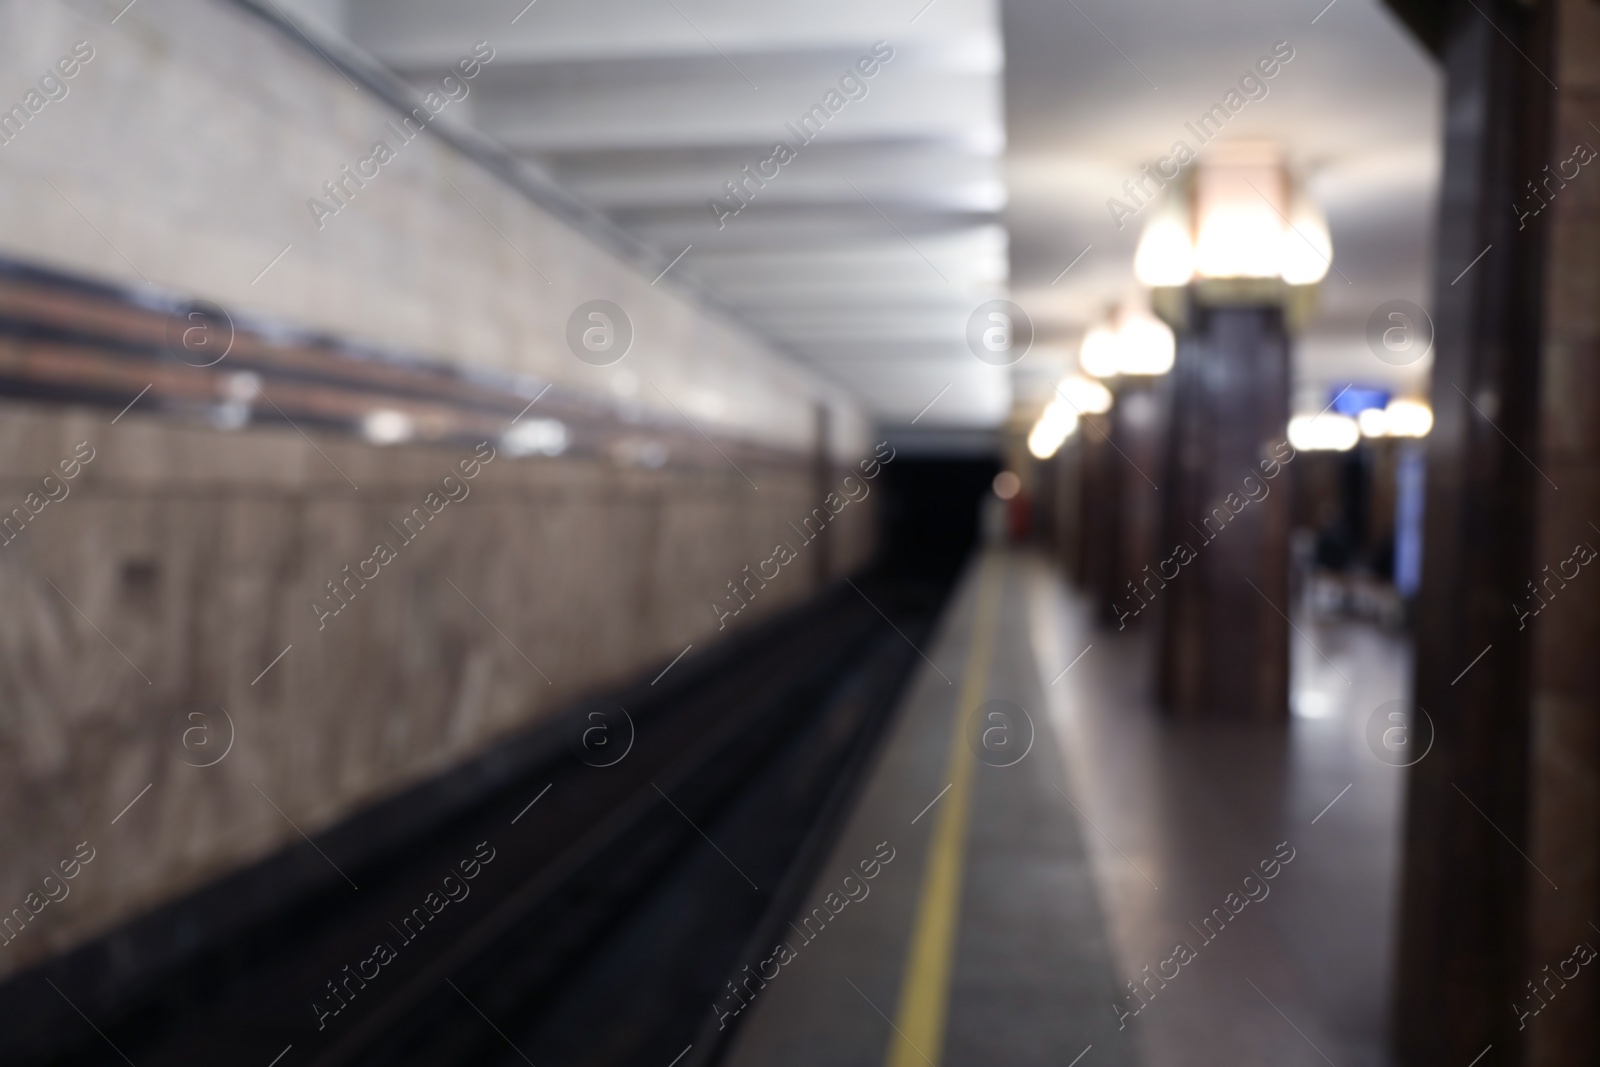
[(918, 1037)]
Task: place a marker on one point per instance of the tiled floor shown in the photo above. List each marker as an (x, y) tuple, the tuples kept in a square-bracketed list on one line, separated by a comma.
[(1302, 976), (1099, 851)]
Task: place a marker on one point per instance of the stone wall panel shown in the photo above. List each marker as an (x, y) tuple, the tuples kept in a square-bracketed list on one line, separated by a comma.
[(196, 553)]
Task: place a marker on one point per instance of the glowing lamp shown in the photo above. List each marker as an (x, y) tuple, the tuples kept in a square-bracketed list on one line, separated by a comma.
[(1056, 423), (1087, 396), (1327, 432), (1098, 354), (1402, 418), (1165, 255), (1307, 247), (1145, 344), (1242, 218)]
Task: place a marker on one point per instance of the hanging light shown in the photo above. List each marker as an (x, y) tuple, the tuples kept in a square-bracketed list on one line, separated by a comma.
[(1374, 422), (1401, 418), (1242, 217), (1134, 342), (1326, 432), (1098, 353), (1239, 240), (1145, 344), (1240, 194), (1056, 423), (1087, 396), (1165, 255), (1409, 418), (1307, 251)]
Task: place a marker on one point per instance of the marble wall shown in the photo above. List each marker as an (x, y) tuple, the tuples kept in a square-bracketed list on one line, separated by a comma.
[(1564, 809), (181, 561), (160, 600)]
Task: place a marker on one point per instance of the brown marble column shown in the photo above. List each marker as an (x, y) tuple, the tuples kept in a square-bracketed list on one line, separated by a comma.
[(1100, 513), (1140, 422), (1121, 512), (1466, 887), (1224, 635), (1564, 810), (1039, 483), (1067, 469)]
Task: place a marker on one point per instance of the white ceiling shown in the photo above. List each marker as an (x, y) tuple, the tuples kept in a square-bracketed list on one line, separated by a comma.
[(975, 157), (862, 258)]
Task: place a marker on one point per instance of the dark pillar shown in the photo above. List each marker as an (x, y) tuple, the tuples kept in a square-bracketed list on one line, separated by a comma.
[(1122, 452), (1100, 511), (1465, 887), (1565, 705), (1140, 420), (1068, 468), (1225, 650), (1043, 508)]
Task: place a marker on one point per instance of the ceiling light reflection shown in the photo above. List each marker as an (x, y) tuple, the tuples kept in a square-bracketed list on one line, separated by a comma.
[(387, 427)]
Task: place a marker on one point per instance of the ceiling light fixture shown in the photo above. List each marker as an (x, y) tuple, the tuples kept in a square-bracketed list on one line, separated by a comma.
[(1327, 432), (1145, 344), (1401, 418), (1055, 424), (1307, 245), (1098, 354), (1087, 396), (1242, 216), (1165, 256), (1134, 342)]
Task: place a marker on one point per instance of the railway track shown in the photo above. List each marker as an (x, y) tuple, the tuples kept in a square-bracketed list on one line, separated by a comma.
[(578, 896)]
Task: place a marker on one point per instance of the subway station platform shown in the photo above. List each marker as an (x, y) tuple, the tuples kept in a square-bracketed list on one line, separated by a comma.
[(1042, 869)]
